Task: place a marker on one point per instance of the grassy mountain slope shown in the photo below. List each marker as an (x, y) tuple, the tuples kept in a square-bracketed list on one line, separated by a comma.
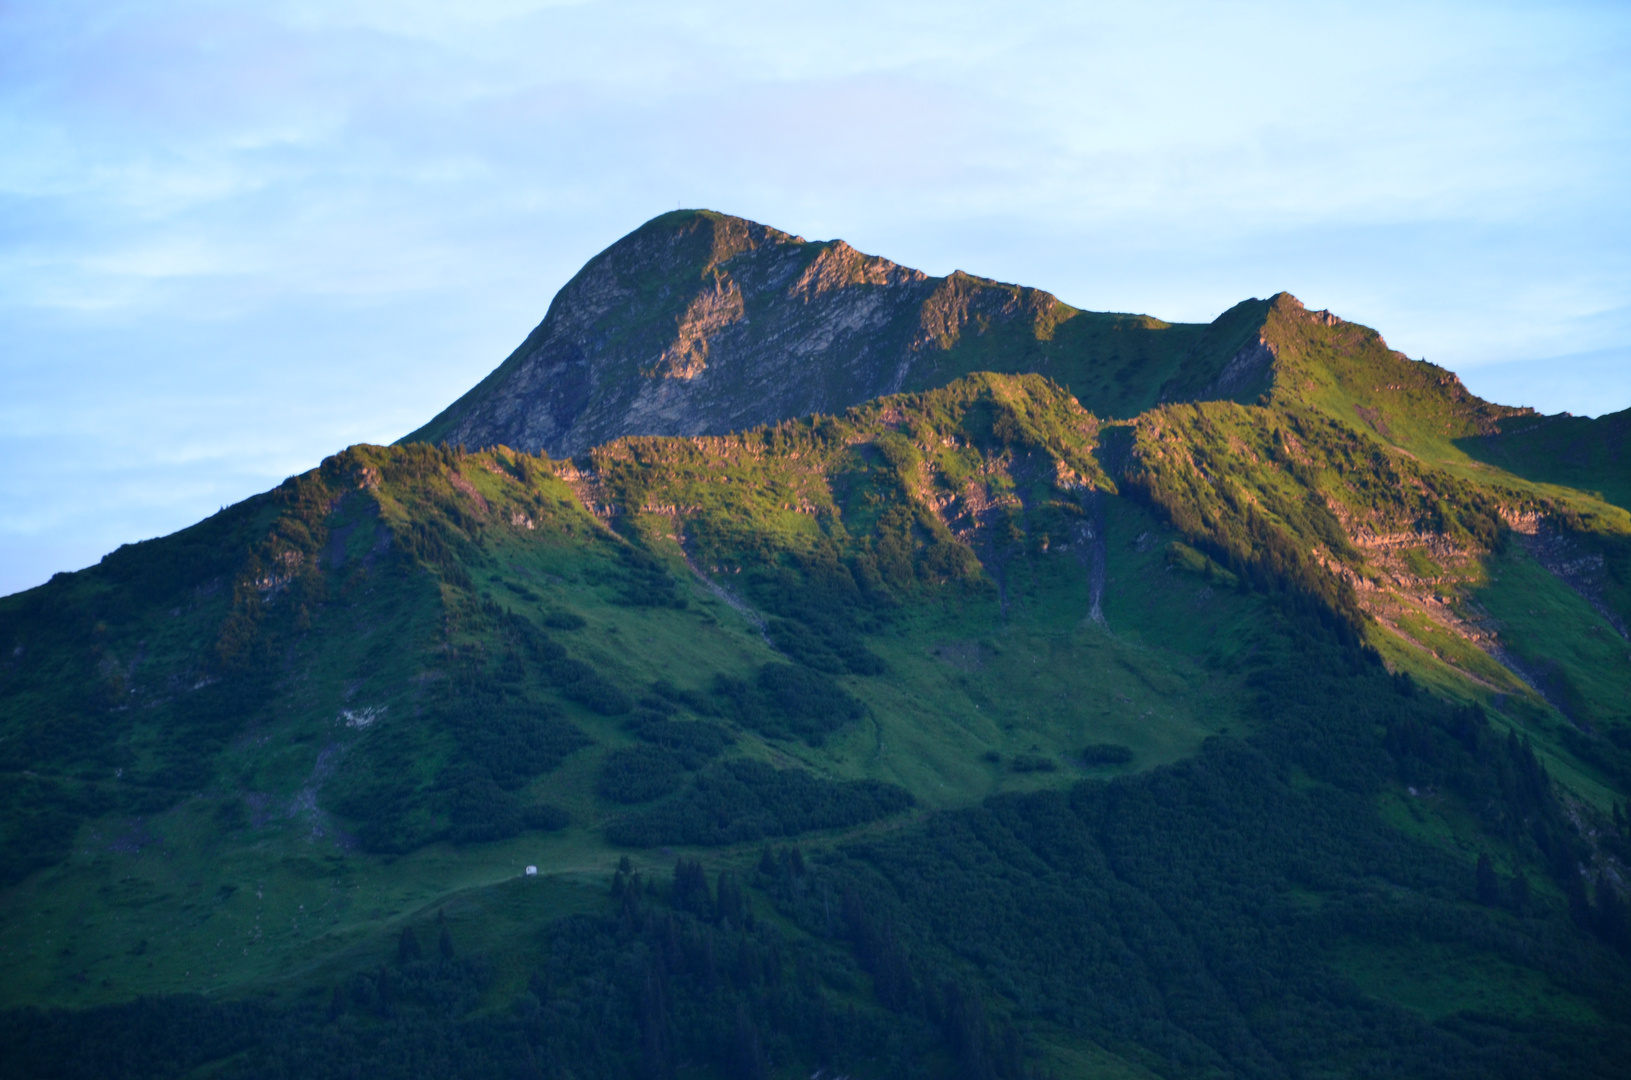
[(390, 590), (1347, 371), (1569, 451), (1353, 475), (1014, 677)]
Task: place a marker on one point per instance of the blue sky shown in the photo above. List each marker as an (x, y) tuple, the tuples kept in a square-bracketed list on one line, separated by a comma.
[(237, 237)]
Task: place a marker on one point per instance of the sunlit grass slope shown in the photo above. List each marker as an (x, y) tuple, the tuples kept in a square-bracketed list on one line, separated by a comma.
[(1108, 744), (610, 607)]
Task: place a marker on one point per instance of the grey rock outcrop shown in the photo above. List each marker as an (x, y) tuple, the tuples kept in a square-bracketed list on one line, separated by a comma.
[(700, 323)]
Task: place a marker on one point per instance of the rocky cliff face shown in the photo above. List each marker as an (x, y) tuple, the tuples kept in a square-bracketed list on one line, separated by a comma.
[(699, 323)]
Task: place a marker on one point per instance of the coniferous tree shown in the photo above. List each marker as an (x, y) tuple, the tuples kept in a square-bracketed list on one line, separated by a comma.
[(407, 946), (656, 1038), (1609, 915), (731, 904), (1517, 891), (444, 942), (750, 1056), (1487, 885)]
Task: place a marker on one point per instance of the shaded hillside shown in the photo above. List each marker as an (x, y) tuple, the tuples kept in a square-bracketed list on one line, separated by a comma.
[(1007, 738), (452, 612), (1571, 451), (699, 324)]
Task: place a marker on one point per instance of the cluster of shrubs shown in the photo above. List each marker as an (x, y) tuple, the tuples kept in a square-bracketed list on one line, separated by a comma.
[(1094, 755), (819, 613), (692, 742), (673, 748), (576, 680), (639, 579), (738, 801), (785, 701), (491, 740), (1107, 754), (639, 774)]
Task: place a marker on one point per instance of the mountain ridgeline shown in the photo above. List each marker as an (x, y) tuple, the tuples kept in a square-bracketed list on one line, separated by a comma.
[(788, 663), (702, 324)]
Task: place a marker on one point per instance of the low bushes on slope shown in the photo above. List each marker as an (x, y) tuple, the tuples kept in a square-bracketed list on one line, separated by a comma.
[(784, 701), (742, 801)]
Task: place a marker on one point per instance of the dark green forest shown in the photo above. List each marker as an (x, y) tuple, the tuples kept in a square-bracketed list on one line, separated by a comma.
[(1188, 919)]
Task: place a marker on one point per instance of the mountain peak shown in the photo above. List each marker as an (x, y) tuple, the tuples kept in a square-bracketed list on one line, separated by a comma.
[(701, 323), (1324, 362), (1285, 301)]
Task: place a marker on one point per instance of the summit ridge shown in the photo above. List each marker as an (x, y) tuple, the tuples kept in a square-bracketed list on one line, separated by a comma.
[(698, 323)]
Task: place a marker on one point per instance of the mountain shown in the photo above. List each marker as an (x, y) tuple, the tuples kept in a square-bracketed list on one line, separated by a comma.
[(701, 324), (1268, 719)]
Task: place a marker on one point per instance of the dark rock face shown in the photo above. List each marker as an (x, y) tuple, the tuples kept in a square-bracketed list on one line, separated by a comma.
[(699, 323)]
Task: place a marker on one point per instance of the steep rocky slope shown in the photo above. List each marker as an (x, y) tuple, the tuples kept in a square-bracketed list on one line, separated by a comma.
[(698, 324)]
